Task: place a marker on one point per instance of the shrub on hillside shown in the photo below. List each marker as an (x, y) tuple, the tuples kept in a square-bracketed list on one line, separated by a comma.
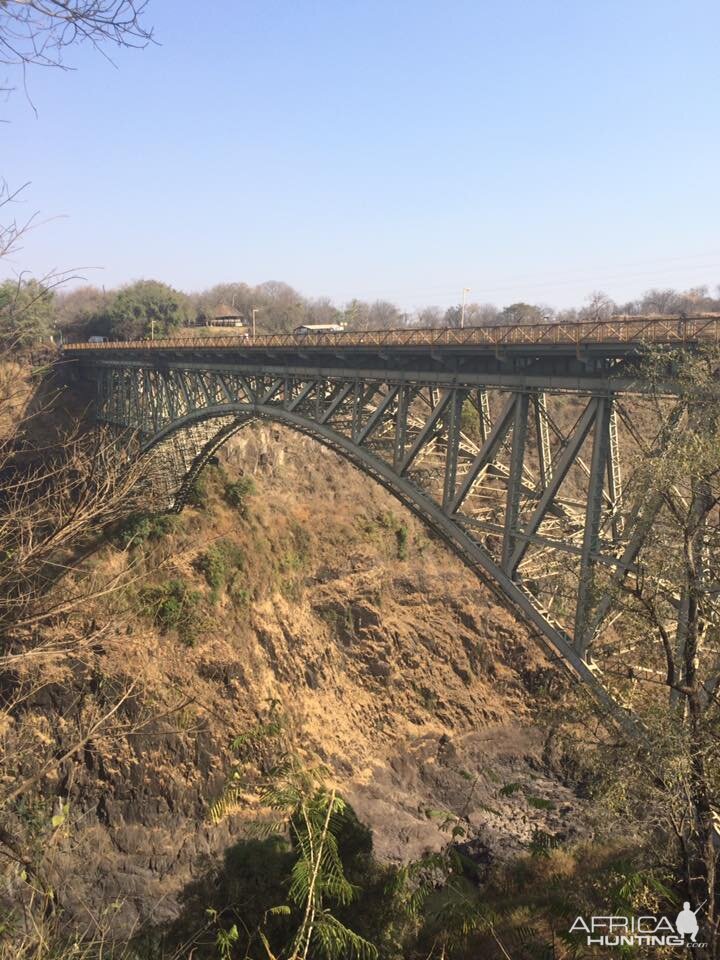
[(401, 535), (174, 606), (198, 493), (218, 564), (236, 493), (141, 528)]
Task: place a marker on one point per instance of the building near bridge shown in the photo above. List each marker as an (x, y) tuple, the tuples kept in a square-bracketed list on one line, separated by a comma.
[(225, 316)]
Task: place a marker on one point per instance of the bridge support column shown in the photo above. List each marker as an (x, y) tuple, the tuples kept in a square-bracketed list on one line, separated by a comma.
[(614, 475), (517, 458), (453, 442), (484, 412), (598, 467), (401, 415), (542, 435)]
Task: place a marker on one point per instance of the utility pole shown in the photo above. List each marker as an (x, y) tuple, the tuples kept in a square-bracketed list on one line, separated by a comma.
[(254, 311), (152, 329), (466, 290)]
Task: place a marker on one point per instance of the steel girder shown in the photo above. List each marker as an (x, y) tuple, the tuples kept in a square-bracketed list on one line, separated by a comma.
[(523, 483)]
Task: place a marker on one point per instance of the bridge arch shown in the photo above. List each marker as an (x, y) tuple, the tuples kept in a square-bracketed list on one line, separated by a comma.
[(236, 416), (533, 500)]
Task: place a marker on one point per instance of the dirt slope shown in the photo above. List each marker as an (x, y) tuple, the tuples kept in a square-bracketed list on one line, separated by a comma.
[(394, 664)]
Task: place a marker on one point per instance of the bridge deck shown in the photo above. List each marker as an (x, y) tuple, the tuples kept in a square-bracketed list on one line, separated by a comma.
[(618, 336)]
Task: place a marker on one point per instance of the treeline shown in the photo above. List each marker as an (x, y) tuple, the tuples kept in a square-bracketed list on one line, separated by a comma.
[(31, 312)]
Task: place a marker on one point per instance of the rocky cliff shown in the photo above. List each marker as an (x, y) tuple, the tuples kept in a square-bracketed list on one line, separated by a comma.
[(395, 666)]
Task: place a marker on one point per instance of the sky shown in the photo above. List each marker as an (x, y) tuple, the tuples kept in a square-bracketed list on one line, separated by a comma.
[(394, 150)]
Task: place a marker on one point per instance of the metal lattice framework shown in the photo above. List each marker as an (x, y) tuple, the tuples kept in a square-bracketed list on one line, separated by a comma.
[(522, 462), (524, 484)]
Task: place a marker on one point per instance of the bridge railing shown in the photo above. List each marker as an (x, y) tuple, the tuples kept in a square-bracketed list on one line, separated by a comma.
[(617, 330)]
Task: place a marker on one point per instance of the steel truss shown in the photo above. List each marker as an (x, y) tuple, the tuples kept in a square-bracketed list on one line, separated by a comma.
[(523, 483)]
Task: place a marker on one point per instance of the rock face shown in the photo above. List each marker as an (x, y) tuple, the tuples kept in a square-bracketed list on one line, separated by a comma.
[(404, 676)]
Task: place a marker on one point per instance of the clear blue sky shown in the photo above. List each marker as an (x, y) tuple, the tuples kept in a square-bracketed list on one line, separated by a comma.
[(393, 149)]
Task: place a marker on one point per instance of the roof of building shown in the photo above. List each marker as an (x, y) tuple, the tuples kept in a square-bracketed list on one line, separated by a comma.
[(224, 312)]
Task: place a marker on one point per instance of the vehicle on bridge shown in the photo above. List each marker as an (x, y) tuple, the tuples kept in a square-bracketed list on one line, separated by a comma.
[(320, 328)]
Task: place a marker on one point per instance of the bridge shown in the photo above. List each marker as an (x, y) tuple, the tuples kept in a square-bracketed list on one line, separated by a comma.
[(517, 445)]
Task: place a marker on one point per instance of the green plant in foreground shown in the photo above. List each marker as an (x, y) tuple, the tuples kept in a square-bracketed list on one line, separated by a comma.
[(313, 816)]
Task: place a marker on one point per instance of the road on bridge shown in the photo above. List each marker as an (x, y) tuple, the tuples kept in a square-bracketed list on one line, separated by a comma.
[(622, 332)]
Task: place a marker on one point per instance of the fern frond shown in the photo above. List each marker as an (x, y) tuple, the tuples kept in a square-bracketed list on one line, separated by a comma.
[(282, 910), (226, 805), (335, 941)]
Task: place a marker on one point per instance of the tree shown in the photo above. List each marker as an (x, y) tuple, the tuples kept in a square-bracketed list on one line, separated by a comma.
[(476, 315), (666, 662), (599, 307), (383, 315), (313, 817), (239, 296), (77, 312), (39, 31), (452, 316), (282, 307), (144, 308), (323, 310), (518, 313), (481, 314), (379, 315), (26, 312), (428, 317)]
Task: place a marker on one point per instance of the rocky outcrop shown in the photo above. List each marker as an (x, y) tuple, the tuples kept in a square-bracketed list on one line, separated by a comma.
[(404, 676)]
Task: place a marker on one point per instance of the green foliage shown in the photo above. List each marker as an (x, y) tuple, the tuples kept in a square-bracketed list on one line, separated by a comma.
[(174, 606), (520, 313), (387, 520), (470, 420), (141, 309), (237, 493), (541, 843), (240, 595), (141, 528), (218, 564), (26, 313), (508, 789), (198, 492), (539, 803), (224, 939), (401, 535), (320, 827)]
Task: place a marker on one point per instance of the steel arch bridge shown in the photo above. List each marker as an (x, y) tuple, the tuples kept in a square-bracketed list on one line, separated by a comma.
[(516, 445)]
